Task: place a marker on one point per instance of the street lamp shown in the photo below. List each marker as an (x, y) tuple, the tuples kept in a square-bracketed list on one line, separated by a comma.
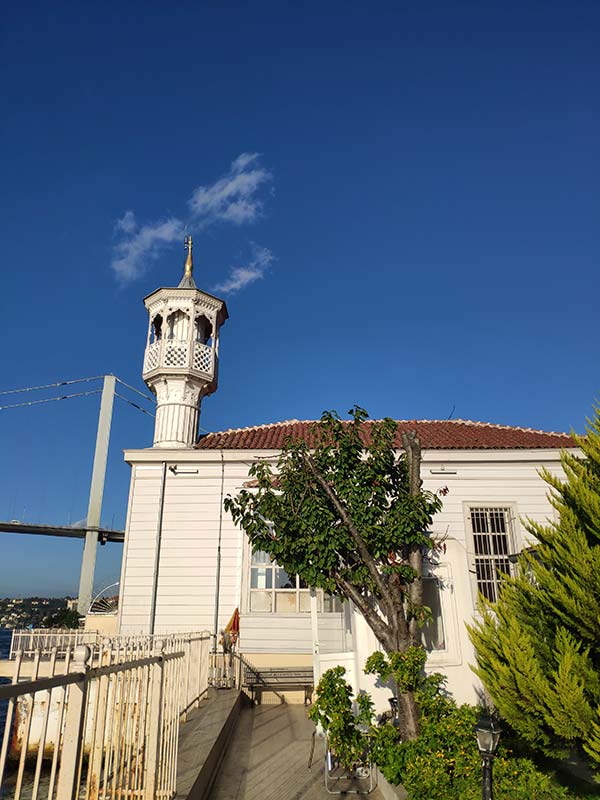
[(488, 733)]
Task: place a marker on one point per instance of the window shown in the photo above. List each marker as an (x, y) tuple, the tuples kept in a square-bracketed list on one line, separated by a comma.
[(273, 591), (432, 633), (492, 536)]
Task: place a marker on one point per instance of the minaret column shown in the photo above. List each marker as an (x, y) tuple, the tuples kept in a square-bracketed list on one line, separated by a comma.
[(177, 413)]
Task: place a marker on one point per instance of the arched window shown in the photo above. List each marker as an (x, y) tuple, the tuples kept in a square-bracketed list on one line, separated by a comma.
[(203, 330), (177, 325), (156, 333)]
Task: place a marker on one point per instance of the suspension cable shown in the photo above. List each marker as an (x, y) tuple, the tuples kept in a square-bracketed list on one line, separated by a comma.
[(135, 405), (52, 385), (50, 399), (137, 391)]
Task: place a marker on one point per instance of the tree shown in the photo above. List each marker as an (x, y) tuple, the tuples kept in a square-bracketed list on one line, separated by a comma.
[(538, 646), (348, 514), (65, 618)]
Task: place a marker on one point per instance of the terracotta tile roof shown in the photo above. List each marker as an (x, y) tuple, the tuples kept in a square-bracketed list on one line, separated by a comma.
[(454, 434)]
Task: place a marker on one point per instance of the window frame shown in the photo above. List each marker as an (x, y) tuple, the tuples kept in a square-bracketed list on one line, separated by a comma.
[(513, 536), (298, 591)]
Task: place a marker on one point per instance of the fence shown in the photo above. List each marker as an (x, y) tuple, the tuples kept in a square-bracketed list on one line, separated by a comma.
[(105, 721), (30, 641)]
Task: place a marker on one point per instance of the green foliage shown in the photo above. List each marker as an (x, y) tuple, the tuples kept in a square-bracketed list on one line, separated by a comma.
[(443, 763), (333, 711), (405, 668), (538, 647), (339, 511), (65, 618), (292, 518)]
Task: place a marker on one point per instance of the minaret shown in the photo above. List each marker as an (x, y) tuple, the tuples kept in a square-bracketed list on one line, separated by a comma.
[(181, 359)]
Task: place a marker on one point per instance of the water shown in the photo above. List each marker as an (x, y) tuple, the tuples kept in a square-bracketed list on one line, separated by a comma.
[(5, 637)]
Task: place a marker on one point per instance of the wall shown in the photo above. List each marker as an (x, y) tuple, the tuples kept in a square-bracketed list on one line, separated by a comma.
[(479, 478), (193, 515)]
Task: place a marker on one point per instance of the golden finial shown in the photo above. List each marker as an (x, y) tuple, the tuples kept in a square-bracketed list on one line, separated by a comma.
[(189, 263)]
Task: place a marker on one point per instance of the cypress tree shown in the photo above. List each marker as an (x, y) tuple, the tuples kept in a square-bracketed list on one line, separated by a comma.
[(538, 647)]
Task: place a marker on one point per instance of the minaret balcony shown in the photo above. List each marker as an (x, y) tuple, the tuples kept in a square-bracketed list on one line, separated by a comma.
[(179, 354)]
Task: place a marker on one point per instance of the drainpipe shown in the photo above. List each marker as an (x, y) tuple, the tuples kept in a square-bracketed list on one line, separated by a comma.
[(159, 526), (218, 578)]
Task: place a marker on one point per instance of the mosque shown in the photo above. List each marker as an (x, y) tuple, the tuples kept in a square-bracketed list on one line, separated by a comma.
[(186, 566)]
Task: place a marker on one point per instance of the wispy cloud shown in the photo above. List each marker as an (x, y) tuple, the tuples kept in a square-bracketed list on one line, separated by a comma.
[(254, 270), (234, 198), (127, 223), (141, 245)]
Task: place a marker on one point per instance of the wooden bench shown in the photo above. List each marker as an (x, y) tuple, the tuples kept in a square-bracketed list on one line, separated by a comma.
[(279, 679)]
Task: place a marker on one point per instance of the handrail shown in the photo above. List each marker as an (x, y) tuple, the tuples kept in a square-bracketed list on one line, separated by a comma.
[(257, 674), (121, 699)]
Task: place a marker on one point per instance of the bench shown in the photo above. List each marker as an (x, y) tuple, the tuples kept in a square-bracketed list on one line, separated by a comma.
[(279, 679)]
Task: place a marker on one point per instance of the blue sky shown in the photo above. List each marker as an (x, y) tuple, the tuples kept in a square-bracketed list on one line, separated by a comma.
[(405, 195)]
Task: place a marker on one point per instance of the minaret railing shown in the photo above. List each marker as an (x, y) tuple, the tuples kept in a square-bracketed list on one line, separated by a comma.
[(177, 352), (152, 356), (203, 357)]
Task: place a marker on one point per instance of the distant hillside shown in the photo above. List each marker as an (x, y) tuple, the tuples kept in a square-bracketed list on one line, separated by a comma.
[(29, 611)]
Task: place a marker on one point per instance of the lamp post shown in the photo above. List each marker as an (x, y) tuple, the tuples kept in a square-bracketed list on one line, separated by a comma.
[(488, 733)]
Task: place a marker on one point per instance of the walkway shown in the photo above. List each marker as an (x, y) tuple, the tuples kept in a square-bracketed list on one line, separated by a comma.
[(267, 758)]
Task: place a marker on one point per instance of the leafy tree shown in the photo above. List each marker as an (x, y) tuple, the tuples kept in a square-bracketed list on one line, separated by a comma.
[(65, 618), (538, 646), (348, 514)]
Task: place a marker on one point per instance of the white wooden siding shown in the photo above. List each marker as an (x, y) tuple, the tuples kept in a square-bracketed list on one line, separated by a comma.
[(290, 633), (191, 519)]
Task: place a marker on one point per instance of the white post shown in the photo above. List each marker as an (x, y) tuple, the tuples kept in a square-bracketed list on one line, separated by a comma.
[(88, 563), (74, 722), (155, 724), (314, 624)]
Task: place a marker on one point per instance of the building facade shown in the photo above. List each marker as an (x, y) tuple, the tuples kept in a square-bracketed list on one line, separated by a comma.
[(187, 567)]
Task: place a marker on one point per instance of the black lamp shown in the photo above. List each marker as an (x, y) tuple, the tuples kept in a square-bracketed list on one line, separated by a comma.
[(488, 733)]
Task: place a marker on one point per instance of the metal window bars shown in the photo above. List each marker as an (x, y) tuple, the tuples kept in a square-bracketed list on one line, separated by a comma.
[(491, 528)]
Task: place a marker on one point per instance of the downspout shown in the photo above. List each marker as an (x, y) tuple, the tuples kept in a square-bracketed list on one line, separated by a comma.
[(159, 526), (218, 578)]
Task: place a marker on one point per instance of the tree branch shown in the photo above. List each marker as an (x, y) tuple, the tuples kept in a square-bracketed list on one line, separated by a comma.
[(358, 540), (377, 625)]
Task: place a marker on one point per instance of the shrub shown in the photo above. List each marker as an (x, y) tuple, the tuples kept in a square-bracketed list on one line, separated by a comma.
[(443, 763)]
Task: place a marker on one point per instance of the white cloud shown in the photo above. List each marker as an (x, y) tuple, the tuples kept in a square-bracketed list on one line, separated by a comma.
[(127, 223), (140, 246), (234, 197), (239, 277)]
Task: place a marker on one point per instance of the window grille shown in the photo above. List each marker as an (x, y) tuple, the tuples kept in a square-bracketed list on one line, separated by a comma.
[(492, 535), (273, 591)]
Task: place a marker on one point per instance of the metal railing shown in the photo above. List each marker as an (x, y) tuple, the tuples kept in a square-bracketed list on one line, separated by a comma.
[(104, 721), (30, 641)]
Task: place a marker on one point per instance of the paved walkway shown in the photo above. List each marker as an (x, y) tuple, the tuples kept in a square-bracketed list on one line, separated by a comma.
[(267, 758)]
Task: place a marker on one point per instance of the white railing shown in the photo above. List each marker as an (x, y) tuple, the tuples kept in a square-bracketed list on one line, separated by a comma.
[(30, 641), (176, 353), (103, 721), (152, 356), (203, 357)]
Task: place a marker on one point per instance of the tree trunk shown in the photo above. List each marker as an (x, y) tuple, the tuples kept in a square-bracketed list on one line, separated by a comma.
[(408, 716)]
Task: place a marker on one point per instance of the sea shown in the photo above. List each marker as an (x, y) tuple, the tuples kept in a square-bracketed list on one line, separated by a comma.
[(5, 637)]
